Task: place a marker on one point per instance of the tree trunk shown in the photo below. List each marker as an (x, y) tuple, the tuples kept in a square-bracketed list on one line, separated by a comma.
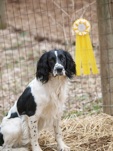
[(105, 24), (2, 14)]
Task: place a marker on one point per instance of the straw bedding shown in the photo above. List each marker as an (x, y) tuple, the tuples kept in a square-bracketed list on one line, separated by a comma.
[(90, 133)]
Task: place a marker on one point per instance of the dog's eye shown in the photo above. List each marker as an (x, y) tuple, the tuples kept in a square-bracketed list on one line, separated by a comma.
[(62, 58)]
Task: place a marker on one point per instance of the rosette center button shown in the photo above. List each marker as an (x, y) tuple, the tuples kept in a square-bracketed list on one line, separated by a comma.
[(81, 27)]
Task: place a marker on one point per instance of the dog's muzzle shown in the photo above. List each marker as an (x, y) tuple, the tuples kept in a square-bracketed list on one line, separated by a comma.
[(58, 70)]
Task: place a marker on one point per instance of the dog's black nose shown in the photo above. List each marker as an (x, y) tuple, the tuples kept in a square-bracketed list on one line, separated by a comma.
[(59, 69)]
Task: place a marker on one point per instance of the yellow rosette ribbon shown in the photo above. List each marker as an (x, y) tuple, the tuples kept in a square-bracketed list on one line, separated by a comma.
[(84, 55)]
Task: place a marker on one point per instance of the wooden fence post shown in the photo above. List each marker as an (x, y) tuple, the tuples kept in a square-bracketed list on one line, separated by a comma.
[(105, 26), (2, 14)]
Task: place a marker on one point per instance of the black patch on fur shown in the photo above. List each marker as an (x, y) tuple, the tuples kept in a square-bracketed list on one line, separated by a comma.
[(43, 70), (14, 115), (26, 104), (1, 139), (70, 65)]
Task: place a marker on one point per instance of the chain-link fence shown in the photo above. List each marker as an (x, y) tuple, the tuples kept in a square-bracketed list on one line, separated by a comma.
[(36, 26)]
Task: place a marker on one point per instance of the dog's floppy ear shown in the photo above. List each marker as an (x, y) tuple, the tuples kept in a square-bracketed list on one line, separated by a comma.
[(42, 72), (70, 65)]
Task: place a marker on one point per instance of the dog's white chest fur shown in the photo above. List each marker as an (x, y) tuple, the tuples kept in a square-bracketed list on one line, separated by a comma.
[(50, 99)]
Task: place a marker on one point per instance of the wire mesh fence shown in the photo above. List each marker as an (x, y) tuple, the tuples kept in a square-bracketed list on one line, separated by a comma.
[(36, 26)]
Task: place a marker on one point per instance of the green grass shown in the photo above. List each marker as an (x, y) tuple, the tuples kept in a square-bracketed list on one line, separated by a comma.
[(91, 108)]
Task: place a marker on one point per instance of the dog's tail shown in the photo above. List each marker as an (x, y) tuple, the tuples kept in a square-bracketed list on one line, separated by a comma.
[(1, 139)]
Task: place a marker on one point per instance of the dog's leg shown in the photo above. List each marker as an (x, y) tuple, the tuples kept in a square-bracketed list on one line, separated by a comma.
[(58, 137), (33, 126)]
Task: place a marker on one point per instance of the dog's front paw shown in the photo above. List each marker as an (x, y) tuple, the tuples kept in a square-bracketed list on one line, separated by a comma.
[(63, 147)]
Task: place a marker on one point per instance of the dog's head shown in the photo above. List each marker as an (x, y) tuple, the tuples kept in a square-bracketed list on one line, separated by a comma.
[(57, 63)]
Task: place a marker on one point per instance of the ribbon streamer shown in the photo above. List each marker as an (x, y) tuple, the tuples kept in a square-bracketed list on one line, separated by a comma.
[(84, 55)]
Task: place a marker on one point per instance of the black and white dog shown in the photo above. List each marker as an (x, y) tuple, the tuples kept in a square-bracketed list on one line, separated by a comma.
[(41, 104)]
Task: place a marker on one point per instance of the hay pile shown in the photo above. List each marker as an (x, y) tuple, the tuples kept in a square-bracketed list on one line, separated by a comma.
[(90, 133)]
